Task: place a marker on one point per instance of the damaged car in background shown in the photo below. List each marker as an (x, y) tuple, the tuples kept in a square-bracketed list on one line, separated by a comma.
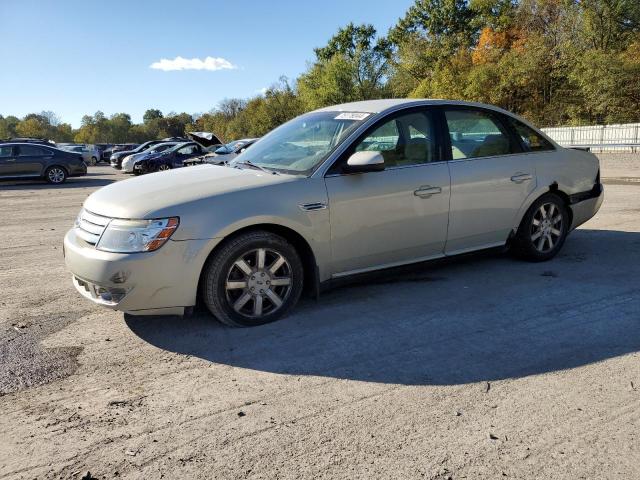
[(173, 157), (129, 162), (224, 153)]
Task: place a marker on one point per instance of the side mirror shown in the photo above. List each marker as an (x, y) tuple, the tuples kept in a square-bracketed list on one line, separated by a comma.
[(367, 161)]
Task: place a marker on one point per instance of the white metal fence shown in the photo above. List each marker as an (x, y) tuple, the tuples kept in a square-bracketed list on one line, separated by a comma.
[(599, 138)]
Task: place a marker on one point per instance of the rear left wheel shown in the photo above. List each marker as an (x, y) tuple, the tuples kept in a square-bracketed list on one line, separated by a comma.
[(543, 229), (254, 279), (55, 175)]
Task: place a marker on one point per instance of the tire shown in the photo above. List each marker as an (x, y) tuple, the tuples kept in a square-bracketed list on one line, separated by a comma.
[(163, 167), (55, 175), (541, 235), (240, 293)]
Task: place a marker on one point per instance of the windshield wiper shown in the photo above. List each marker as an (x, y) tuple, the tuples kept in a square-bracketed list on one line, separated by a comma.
[(259, 167)]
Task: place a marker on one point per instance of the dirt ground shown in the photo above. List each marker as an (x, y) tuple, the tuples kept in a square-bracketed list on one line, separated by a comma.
[(481, 368)]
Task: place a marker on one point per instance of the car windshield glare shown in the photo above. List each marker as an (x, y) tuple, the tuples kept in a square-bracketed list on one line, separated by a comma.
[(299, 146)]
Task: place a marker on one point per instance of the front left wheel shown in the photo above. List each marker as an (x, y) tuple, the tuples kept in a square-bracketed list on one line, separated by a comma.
[(255, 278)]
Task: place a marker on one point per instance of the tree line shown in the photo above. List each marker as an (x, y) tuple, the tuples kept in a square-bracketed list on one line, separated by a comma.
[(555, 62)]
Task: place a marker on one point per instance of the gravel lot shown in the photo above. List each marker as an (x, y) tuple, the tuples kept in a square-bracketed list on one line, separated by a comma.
[(480, 367)]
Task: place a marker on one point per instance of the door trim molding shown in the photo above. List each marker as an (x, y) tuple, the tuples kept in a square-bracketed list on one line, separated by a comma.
[(388, 265)]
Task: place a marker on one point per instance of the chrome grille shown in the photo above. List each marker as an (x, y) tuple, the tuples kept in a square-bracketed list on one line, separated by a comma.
[(90, 226)]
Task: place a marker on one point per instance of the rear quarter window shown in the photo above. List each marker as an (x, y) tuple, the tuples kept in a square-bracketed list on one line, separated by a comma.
[(28, 150), (532, 140)]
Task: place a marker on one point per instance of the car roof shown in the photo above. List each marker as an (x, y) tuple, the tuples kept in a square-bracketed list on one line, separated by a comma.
[(30, 144), (380, 106)]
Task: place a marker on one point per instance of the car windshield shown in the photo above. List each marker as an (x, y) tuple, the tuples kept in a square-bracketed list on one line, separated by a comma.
[(160, 147), (175, 147), (144, 146), (298, 147)]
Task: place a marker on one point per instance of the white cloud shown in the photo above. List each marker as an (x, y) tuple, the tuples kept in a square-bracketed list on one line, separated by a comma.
[(262, 90), (180, 63)]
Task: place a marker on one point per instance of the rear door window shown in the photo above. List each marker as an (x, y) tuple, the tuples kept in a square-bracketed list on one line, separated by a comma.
[(31, 151), (476, 133)]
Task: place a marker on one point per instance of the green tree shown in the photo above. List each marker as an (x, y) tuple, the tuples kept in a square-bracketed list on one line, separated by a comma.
[(354, 65), (429, 34), (151, 114), (8, 126)]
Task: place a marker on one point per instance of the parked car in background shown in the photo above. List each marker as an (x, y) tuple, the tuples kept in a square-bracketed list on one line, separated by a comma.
[(208, 140), (102, 148), (116, 158), (336, 192), (130, 161), (174, 157), (223, 154), (34, 160), (90, 153), (106, 155)]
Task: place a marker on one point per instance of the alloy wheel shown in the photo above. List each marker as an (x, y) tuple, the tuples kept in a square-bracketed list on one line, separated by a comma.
[(258, 283), (56, 175), (163, 167), (546, 227)]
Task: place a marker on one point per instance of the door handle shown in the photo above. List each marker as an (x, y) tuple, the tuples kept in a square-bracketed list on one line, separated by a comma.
[(521, 177), (427, 191)]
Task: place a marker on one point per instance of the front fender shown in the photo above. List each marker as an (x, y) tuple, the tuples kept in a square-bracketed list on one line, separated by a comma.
[(219, 217)]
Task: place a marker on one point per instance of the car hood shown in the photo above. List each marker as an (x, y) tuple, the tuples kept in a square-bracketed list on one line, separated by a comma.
[(163, 193)]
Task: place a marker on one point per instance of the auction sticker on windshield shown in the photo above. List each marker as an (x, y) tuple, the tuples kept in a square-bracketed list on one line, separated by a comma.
[(352, 116)]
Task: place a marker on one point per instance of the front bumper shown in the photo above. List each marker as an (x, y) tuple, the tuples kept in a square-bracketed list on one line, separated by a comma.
[(160, 282), (585, 205)]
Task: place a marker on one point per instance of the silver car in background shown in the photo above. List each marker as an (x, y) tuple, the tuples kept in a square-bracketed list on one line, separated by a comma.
[(336, 192), (90, 154)]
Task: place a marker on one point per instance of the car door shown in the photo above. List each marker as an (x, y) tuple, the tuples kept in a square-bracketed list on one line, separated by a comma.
[(183, 154), (7, 160), (31, 160), (491, 177), (395, 216)]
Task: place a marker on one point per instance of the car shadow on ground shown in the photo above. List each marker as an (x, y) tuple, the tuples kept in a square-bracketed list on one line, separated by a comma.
[(481, 318)]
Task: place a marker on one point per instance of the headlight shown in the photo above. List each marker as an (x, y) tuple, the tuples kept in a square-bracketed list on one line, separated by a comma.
[(131, 236)]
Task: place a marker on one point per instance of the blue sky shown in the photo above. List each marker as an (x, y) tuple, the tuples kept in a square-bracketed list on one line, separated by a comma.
[(78, 56)]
